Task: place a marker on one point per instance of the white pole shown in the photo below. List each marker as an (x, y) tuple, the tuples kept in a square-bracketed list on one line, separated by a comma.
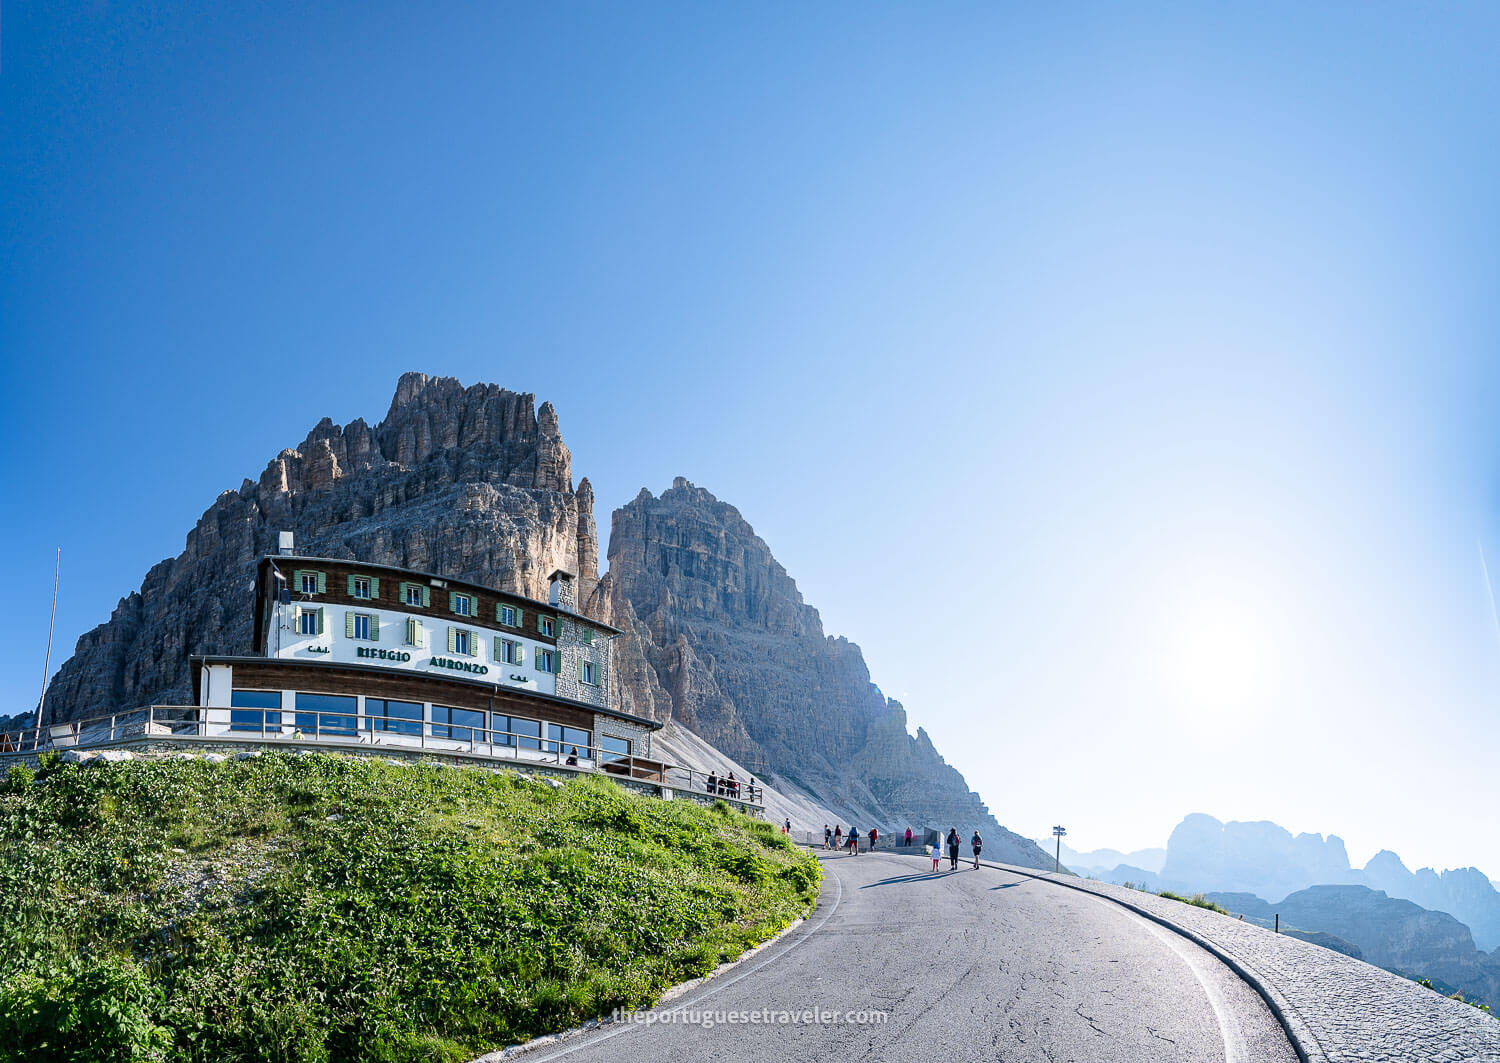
[(41, 704)]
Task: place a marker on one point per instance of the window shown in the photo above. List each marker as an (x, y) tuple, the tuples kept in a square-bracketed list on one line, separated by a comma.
[(362, 626), (462, 604), (364, 587), (326, 714), (545, 626), (472, 721), (395, 717), (508, 651), (545, 660), (463, 641), (414, 594), (309, 582), (516, 731), (247, 711), (566, 739), (588, 672), (613, 748), (508, 615), (413, 631), (310, 621)]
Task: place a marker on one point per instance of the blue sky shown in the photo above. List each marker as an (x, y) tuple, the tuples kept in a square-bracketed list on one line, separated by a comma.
[(1152, 346)]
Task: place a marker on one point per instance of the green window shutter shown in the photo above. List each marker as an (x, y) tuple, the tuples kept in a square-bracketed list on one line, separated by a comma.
[(401, 592), (297, 574), (538, 662), (374, 628), (452, 601), (426, 597), (322, 583), (519, 617), (348, 625), (320, 612), (411, 631), (473, 644), (580, 671), (351, 586), (499, 649), (374, 587), (452, 638)]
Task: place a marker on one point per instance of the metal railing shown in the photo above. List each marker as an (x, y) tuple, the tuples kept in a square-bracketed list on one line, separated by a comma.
[(320, 726)]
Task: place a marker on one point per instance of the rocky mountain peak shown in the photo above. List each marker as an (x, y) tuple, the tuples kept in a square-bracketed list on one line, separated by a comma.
[(471, 481)]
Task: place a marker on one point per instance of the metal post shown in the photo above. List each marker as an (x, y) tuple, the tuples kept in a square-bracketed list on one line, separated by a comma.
[(1058, 832), (1278, 922)]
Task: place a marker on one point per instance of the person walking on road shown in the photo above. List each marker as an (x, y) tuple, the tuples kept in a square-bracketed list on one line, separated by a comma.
[(874, 837), (908, 837), (978, 843), (952, 848), (937, 854), (853, 841), (827, 837), (838, 836)]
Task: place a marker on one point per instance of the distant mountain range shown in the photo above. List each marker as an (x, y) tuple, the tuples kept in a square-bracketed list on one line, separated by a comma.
[(1207, 855), (1440, 925), (1386, 931)]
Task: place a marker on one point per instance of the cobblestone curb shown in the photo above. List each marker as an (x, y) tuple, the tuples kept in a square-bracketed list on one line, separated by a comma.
[(1335, 1009)]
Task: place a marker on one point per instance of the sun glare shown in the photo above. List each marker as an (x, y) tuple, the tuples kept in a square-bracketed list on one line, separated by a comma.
[(1217, 657)]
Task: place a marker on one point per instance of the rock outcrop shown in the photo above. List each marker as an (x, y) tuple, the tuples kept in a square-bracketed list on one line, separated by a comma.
[(472, 482), (729, 649)]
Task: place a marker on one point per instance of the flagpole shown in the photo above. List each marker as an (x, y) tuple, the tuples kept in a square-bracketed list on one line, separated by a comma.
[(41, 704)]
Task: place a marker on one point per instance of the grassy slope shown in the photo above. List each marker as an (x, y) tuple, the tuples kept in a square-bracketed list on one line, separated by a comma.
[(321, 908)]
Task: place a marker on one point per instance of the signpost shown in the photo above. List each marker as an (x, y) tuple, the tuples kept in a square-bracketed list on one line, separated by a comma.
[(1058, 832)]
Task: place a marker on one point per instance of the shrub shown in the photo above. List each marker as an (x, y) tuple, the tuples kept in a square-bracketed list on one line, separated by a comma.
[(18, 779)]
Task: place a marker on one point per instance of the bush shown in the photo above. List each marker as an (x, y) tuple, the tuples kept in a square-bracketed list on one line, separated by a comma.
[(19, 779)]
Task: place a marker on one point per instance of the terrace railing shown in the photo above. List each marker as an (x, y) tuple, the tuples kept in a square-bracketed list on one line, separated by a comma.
[(344, 728)]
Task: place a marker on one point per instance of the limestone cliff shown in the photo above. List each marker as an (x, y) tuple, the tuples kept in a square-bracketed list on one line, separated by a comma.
[(472, 482), (730, 650)]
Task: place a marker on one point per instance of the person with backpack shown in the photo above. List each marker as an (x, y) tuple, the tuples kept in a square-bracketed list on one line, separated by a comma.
[(908, 837), (853, 841), (978, 843), (874, 837), (952, 848), (937, 854), (827, 837)]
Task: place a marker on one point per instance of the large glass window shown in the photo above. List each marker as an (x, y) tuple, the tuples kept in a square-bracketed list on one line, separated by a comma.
[(326, 714), (359, 586), (310, 622), (397, 717), (567, 739), (247, 710), (413, 594), (613, 748), (516, 731), (472, 722), (362, 626)]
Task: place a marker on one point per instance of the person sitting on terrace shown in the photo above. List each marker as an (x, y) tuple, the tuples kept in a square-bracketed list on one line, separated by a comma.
[(573, 757), (713, 784), (734, 787)]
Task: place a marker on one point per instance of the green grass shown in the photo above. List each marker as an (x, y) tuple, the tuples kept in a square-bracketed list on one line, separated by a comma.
[(1197, 900), (317, 908)]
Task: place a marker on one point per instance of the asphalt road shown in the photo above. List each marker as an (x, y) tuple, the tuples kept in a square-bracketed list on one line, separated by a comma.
[(966, 965)]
